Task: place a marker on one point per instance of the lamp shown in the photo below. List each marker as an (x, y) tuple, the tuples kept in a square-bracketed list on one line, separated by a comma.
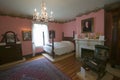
[(43, 17)]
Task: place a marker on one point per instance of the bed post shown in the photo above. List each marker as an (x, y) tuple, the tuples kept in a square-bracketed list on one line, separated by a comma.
[(52, 36), (53, 53), (62, 35), (73, 34), (43, 39)]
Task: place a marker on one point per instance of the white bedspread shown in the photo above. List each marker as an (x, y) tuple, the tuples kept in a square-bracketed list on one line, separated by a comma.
[(60, 47)]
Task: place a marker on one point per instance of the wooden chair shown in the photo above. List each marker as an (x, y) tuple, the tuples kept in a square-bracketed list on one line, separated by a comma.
[(98, 62)]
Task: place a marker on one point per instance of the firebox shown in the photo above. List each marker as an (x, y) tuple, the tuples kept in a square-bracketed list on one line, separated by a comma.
[(86, 53)]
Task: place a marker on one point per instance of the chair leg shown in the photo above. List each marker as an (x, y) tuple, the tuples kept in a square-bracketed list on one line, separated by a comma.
[(101, 75)]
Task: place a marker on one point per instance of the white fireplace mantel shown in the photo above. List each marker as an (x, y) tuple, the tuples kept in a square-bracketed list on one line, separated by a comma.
[(87, 44)]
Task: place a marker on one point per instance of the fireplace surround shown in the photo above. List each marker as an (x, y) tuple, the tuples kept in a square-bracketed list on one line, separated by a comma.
[(86, 44)]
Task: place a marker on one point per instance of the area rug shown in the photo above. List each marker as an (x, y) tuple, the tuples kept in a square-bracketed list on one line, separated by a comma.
[(39, 69)]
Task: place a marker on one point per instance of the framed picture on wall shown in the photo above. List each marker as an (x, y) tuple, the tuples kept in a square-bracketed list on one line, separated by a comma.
[(26, 35), (87, 25)]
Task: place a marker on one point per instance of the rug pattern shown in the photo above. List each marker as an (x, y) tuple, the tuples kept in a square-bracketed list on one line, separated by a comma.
[(39, 69)]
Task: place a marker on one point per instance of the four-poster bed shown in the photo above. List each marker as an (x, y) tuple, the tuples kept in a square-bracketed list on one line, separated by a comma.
[(59, 48)]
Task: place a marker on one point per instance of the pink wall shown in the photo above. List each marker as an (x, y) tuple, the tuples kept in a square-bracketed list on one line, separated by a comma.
[(68, 28), (58, 30), (98, 21)]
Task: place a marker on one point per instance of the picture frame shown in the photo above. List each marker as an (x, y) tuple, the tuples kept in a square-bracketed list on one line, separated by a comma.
[(87, 25), (26, 35)]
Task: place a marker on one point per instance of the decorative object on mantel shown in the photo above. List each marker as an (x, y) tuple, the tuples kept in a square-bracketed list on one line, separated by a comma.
[(101, 37), (86, 36), (76, 36), (97, 35), (43, 17), (91, 36)]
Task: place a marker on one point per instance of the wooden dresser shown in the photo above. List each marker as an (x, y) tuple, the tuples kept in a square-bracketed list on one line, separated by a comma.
[(10, 53), (10, 48)]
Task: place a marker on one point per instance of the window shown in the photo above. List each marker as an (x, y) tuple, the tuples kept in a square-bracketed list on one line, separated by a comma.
[(38, 38)]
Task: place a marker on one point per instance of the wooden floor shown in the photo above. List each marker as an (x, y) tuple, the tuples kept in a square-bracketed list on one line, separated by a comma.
[(70, 66)]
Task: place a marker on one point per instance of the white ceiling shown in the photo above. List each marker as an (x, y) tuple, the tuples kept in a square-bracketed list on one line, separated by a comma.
[(63, 9)]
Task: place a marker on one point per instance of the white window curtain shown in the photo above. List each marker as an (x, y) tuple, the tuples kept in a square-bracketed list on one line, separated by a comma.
[(38, 39)]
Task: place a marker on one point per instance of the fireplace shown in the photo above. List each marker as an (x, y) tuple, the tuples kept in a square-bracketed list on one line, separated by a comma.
[(86, 53), (88, 46)]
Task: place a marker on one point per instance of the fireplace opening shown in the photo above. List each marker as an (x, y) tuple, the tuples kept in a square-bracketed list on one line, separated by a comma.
[(86, 53)]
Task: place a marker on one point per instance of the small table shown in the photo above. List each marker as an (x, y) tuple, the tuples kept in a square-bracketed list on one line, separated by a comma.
[(89, 75)]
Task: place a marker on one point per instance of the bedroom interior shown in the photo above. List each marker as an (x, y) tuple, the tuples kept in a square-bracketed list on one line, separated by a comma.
[(19, 50)]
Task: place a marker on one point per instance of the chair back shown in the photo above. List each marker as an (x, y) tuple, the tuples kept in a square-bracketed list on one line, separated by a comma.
[(101, 52)]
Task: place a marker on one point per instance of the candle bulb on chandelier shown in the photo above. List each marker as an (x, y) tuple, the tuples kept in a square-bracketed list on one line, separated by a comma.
[(35, 10), (51, 13), (35, 14)]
